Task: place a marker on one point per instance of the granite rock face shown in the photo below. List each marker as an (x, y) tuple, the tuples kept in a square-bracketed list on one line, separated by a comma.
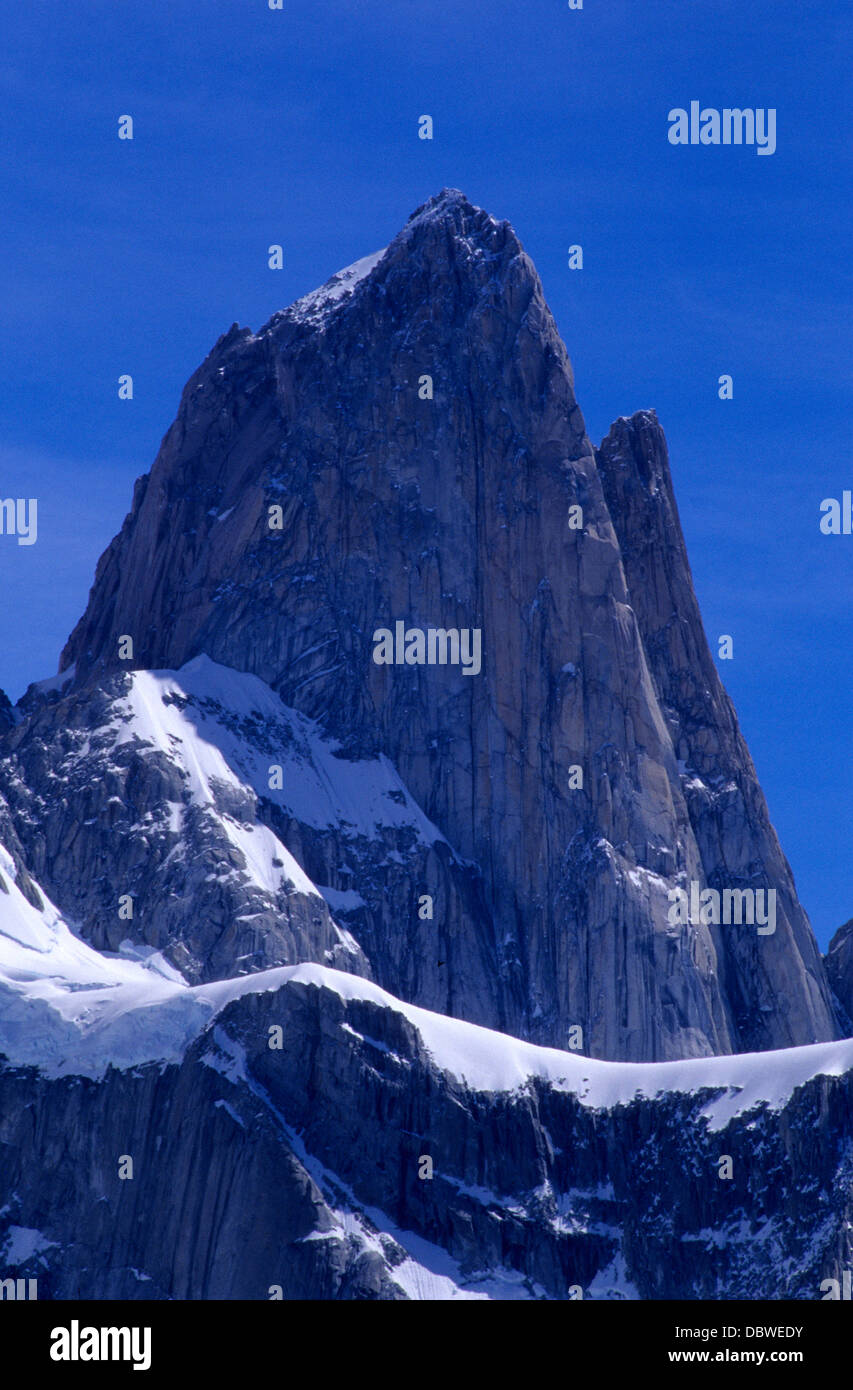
[(289, 927), (7, 717), (300, 1170), (737, 845), (839, 967), (451, 511)]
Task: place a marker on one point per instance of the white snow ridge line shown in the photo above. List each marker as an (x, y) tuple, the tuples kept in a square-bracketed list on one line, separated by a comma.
[(71, 1010)]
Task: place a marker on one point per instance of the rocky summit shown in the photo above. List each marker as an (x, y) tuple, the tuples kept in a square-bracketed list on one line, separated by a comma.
[(340, 863)]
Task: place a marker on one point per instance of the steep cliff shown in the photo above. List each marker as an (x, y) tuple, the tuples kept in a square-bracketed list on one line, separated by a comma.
[(589, 767), (728, 814), (340, 979), (319, 1139), (839, 967)]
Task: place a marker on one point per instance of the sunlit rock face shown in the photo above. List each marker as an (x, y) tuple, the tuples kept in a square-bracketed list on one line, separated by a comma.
[(404, 446)]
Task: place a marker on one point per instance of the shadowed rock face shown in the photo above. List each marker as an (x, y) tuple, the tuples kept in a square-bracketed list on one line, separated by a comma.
[(770, 982), (450, 512), (301, 1168), (839, 966)]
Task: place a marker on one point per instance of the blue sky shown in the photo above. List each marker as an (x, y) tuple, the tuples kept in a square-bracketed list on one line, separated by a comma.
[(300, 127)]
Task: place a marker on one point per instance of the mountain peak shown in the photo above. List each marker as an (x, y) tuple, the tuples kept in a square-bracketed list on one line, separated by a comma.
[(403, 451), (447, 229), (447, 199), (450, 208)]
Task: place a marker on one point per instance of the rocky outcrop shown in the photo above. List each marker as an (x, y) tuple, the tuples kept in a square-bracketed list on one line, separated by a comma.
[(770, 983), (150, 818), (300, 1168), (839, 966), (138, 845), (7, 715)]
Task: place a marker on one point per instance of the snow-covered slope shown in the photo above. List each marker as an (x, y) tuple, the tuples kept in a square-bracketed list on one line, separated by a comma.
[(69, 1009), (225, 727), (339, 286), (553, 1173), (244, 836)]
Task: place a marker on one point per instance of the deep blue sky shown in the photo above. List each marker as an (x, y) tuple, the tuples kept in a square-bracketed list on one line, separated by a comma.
[(300, 127)]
